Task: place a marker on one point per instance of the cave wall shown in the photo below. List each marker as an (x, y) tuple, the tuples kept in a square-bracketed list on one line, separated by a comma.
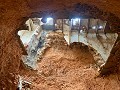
[(13, 13)]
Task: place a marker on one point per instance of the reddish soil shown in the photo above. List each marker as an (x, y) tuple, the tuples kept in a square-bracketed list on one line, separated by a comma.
[(69, 68)]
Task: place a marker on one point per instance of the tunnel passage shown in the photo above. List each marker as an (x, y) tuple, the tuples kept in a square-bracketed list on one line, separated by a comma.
[(15, 11), (92, 32)]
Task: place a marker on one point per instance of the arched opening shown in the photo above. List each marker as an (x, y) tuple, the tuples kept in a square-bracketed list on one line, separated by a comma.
[(93, 32), (88, 35)]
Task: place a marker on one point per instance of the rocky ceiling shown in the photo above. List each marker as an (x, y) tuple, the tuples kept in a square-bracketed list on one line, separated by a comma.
[(14, 12), (105, 5), (105, 9), (38, 5)]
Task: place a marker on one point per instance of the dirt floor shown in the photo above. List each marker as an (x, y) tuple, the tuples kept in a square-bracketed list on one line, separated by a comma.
[(64, 67)]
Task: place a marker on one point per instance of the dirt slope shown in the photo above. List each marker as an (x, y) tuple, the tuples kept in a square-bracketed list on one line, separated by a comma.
[(69, 68)]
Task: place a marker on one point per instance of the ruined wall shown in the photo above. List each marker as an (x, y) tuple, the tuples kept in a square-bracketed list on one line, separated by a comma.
[(13, 13), (113, 62)]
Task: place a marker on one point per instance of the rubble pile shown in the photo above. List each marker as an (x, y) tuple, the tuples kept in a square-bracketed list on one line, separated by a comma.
[(64, 67)]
